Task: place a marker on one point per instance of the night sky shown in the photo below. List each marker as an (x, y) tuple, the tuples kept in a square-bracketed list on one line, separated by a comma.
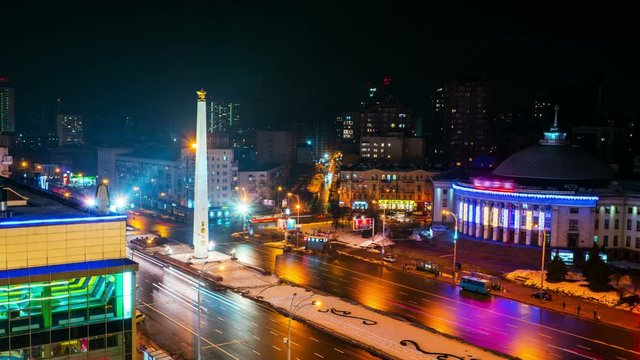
[(279, 61)]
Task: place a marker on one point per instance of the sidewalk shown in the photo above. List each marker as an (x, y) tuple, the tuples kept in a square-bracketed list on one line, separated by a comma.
[(612, 316)]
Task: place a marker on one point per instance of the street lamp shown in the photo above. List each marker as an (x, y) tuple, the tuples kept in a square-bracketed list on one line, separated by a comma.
[(455, 243), (278, 205), (544, 243), (137, 188), (298, 209), (292, 310)]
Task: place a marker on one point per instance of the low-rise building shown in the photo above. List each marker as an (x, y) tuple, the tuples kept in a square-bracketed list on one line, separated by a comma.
[(550, 192), (259, 184), (396, 188), (66, 285)]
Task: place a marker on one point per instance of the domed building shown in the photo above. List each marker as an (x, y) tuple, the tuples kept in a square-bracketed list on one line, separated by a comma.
[(551, 191)]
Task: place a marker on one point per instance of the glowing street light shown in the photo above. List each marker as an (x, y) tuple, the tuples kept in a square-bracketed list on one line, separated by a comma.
[(121, 202), (293, 308), (90, 202), (243, 208), (455, 243), (211, 245)]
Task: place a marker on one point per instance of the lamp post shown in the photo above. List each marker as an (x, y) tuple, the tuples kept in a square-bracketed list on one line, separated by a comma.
[(278, 205), (298, 209), (292, 310), (137, 189), (544, 246), (455, 242)]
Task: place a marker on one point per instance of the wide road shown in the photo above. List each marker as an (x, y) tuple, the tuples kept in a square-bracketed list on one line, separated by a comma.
[(501, 324), (232, 327)]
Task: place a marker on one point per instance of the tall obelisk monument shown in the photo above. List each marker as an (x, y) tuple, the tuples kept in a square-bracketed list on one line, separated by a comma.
[(200, 194)]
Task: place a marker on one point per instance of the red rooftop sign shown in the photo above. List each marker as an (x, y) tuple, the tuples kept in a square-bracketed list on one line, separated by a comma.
[(494, 185)]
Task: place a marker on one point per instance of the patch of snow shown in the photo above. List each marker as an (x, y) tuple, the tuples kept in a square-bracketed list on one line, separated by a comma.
[(376, 336), (577, 288)]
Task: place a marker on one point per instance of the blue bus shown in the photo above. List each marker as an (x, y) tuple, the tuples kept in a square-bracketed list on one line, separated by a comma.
[(474, 284)]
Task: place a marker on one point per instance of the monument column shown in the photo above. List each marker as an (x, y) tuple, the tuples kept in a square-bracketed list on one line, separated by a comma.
[(200, 194)]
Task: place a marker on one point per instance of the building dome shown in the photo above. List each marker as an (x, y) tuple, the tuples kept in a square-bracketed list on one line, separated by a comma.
[(563, 163), (553, 159)]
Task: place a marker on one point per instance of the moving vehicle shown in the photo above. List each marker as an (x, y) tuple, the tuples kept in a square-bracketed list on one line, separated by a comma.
[(542, 295), (264, 218), (474, 284), (389, 258), (438, 227), (139, 316)]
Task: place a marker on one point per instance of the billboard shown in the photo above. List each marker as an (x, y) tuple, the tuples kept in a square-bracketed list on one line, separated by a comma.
[(362, 224), (315, 242), (287, 224)]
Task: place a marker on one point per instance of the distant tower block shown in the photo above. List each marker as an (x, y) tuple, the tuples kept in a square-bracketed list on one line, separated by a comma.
[(201, 196)]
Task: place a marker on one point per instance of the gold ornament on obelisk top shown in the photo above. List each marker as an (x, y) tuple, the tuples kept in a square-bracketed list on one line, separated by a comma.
[(201, 95)]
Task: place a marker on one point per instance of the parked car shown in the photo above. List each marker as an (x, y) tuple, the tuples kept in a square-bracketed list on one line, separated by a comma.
[(418, 213), (389, 258), (430, 268), (543, 295)]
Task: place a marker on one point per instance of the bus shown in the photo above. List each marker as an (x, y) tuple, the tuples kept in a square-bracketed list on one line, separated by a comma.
[(474, 284)]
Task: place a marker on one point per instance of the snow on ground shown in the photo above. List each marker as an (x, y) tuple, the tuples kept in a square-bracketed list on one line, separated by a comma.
[(378, 335), (238, 276), (577, 288), (356, 239)]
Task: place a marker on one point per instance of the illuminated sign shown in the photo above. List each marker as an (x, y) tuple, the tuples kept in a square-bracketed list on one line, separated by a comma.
[(315, 242), (362, 224), (505, 218), (566, 256), (529, 219), (287, 224), (602, 255), (516, 219), (541, 220), (494, 215), (478, 214), (495, 185), (397, 204)]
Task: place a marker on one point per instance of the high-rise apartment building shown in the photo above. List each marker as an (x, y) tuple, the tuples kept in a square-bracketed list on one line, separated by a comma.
[(223, 117), (70, 129), (465, 105), (222, 177), (7, 106), (67, 288), (380, 113), (274, 147)]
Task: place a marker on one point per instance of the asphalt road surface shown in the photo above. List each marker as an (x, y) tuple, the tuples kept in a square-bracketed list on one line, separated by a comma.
[(497, 323), (232, 327)]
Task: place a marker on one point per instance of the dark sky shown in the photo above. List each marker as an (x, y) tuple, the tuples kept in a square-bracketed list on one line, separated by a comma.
[(146, 60)]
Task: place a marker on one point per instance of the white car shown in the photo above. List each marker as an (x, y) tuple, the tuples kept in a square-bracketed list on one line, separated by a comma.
[(389, 258)]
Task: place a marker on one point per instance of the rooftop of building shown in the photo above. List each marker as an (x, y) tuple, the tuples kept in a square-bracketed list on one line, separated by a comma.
[(32, 205), (364, 166)]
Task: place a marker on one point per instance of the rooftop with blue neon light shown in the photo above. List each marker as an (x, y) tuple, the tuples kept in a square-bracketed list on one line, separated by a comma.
[(32, 207)]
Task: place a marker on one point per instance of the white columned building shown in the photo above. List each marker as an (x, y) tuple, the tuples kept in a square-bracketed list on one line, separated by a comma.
[(551, 191)]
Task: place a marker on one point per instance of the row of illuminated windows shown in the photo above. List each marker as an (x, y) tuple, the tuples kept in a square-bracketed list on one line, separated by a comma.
[(104, 346)]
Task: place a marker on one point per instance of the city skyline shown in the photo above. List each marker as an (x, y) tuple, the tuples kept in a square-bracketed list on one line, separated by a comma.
[(278, 62)]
